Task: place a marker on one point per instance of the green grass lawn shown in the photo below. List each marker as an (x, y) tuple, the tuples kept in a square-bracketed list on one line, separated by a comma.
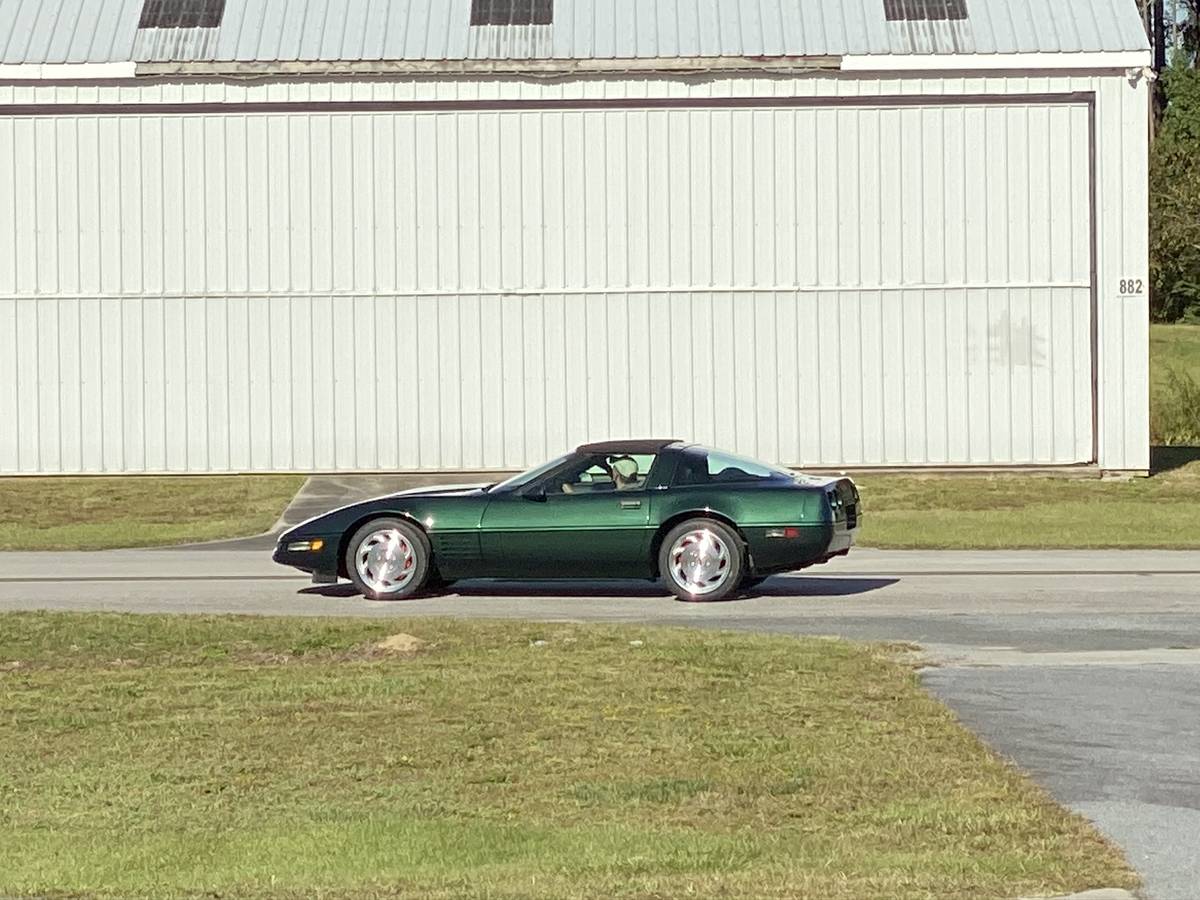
[(1014, 511), (1175, 384), (1174, 345), (274, 758), (902, 511), (101, 513)]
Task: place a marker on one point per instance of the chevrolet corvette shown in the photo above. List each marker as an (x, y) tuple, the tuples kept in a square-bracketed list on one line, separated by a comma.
[(709, 524)]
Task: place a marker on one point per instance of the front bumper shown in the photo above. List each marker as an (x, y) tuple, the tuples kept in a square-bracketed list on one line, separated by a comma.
[(319, 561)]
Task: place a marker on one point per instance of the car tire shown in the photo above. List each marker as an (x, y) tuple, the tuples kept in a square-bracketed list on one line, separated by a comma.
[(701, 561), (389, 559)]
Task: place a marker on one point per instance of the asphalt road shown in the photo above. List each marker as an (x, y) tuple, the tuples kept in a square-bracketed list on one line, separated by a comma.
[(1080, 667)]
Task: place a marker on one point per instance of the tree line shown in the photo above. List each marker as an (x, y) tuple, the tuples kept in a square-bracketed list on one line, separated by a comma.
[(1174, 29)]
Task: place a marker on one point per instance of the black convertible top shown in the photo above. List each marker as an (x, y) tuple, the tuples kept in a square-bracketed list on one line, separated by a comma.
[(631, 446)]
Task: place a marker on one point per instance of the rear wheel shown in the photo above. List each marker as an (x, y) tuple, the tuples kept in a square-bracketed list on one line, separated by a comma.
[(388, 559), (701, 561)]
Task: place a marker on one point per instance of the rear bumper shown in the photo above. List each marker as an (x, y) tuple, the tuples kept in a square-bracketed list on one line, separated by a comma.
[(846, 506), (791, 548), (839, 545), (775, 549), (842, 541)]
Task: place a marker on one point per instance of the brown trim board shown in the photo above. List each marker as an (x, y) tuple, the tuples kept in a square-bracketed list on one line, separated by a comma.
[(1094, 251), (385, 106)]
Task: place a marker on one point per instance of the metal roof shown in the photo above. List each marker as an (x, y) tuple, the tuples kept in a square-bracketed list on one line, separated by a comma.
[(267, 31)]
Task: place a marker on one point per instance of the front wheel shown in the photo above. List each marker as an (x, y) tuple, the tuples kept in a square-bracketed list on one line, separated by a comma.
[(701, 561), (388, 559)]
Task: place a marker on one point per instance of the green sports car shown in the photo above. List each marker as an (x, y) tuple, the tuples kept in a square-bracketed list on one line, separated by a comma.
[(709, 524)]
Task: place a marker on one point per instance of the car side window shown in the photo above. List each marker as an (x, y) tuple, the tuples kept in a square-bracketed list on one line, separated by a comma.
[(604, 474), (593, 477)]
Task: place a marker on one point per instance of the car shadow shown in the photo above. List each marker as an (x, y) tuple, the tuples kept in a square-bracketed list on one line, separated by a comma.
[(816, 586), (582, 589), (344, 590), (781, 586)]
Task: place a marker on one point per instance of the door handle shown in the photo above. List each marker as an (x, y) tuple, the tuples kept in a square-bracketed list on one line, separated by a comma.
[(631, 504)]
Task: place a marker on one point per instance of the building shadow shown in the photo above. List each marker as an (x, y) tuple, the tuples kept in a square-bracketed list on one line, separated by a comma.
[(1168, 459), (780, 586)]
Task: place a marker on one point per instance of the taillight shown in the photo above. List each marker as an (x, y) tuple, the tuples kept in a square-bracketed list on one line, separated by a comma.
[(789, 534), (844, 506)]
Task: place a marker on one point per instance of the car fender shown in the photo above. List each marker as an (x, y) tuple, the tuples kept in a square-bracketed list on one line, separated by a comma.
[(348, 532)]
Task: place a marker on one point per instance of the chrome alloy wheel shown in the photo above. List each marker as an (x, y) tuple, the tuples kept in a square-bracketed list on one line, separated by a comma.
[(386, 561), (700, 562)]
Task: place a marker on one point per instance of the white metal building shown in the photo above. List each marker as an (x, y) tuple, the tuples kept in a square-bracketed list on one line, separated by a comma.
[(370, 235)]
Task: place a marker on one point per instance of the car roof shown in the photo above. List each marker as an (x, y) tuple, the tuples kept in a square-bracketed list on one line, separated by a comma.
[(648, 445)]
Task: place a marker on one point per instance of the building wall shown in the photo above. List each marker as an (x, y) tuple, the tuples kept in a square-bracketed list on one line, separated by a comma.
[(855, 284)]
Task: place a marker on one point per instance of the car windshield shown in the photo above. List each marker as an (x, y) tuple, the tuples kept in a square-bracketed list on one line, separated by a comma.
[(525, 477)]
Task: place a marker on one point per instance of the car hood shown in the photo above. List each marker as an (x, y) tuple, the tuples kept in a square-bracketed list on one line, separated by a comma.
[(438, 490)]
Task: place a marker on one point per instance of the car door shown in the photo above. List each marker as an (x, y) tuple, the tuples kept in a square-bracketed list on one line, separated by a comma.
[(567, 535)]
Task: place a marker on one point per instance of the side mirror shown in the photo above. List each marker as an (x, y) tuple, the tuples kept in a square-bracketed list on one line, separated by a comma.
[(536, 494)]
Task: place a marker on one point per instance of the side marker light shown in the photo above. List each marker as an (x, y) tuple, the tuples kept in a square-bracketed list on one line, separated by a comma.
[(306, 546)]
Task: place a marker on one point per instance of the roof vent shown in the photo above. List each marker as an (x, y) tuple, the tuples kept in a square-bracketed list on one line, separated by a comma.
[(509, 12), (182, 14), (925, 10)]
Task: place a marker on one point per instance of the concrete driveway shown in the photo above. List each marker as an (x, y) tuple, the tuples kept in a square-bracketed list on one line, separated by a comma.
[(1080, 667)]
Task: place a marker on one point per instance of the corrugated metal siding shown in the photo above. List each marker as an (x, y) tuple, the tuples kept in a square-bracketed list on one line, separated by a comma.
[(60, 31), (481, 289), (333, 383), (1124, 322), (547, 201)]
